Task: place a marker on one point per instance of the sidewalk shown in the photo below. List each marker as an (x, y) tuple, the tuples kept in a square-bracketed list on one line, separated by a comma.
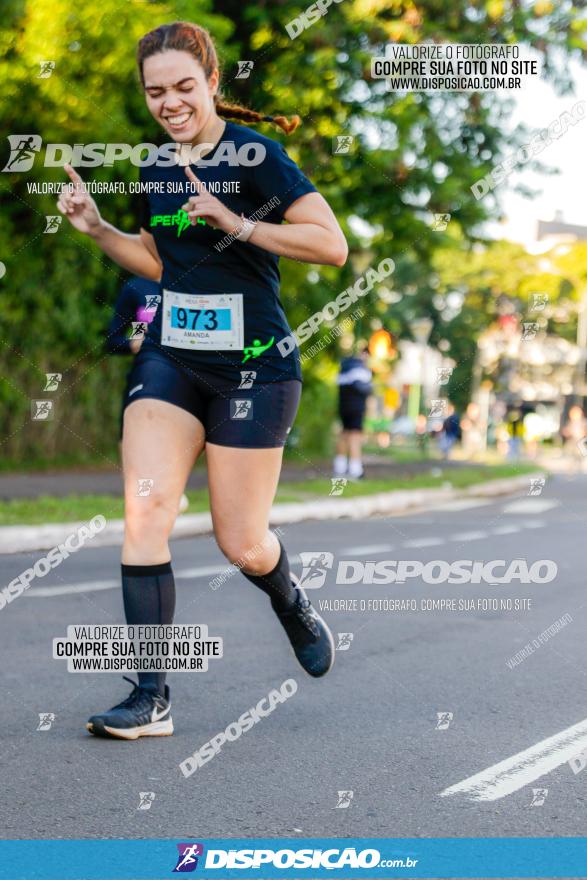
[(22, 539)]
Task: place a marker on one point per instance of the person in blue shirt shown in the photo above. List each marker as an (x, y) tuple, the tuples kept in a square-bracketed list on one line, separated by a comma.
[(209, 371)]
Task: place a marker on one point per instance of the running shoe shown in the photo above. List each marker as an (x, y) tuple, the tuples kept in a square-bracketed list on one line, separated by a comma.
[(309, 636), (143, 713), (353, 475)]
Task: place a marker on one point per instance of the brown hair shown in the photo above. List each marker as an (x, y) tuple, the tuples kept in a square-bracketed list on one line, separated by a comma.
[(197, 42)]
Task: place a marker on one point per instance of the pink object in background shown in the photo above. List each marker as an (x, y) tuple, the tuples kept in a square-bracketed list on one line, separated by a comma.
[(145, 315)]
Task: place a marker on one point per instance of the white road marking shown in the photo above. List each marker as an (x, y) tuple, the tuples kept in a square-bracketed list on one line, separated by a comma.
[(95, 586), (506, 530), (531, 505), (201, 571), (463, 504), (468, 536), (182, 574), (423, 542), (524, 768), (368, 549), (68, 589)]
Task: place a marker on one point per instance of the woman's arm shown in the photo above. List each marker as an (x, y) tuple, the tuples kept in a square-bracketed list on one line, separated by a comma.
[(137, 253), (312, 233)]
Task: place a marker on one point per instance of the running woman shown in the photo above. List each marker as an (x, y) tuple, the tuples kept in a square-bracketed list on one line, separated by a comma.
[(211, 346)]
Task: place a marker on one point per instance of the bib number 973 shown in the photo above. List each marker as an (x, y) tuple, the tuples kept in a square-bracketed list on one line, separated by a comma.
[(195, 319), (202, 321)]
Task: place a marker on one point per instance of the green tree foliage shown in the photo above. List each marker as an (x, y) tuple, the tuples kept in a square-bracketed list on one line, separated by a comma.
[(412, 156), (475, 284), (58, 289)]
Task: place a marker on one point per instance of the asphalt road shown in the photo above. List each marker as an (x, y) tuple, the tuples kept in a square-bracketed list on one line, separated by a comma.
[(370, 727)]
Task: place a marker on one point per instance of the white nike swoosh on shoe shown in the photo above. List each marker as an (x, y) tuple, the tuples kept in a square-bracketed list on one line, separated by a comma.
[(157, 716)]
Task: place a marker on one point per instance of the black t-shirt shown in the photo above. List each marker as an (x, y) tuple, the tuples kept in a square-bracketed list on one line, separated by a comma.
[(201, 260)]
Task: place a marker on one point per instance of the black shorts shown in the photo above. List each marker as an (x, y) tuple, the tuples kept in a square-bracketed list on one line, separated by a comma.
[(352, 419), (258, 417)]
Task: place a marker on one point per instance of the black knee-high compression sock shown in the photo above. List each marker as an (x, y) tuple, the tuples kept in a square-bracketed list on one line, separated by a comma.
[(277, 583), (148, 593)]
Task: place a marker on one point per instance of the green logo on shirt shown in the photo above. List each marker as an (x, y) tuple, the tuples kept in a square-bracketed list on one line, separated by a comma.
[(257, 348), (180, 219)]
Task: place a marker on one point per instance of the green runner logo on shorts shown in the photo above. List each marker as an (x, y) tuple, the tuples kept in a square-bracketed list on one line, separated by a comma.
[(180, 219), (257, 348)]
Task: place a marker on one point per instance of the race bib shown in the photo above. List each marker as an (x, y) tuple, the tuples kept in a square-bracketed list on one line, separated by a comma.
[(202, 321)]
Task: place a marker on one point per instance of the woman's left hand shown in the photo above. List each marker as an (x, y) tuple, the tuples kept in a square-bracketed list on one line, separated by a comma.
[(209, 208)]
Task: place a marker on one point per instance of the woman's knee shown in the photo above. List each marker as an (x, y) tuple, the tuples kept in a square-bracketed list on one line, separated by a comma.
[(151, 514), (248, 551)]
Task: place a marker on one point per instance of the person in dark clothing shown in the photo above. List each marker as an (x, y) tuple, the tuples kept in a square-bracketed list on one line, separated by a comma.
[(451, 432), (354, 383), (134, 310), (217, 259), (136, 303)]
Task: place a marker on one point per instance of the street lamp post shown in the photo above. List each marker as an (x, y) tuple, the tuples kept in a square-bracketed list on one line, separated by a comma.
[(421, 329), (360, 261), (579, 382)]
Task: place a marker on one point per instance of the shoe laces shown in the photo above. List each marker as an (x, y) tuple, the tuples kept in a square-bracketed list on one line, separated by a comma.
[(305, 614), (137, 696)]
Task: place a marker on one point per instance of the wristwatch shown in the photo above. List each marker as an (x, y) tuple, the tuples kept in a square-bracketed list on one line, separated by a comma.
[(246, 229)]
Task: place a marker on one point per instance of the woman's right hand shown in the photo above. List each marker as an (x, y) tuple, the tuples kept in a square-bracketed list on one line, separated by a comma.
[(78, 205)]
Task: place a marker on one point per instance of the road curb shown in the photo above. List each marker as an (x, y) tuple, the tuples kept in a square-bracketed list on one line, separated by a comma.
[(24, 539)]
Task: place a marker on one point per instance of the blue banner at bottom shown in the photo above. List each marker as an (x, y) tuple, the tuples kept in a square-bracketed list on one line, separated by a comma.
[(273, 858)]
